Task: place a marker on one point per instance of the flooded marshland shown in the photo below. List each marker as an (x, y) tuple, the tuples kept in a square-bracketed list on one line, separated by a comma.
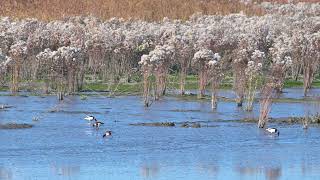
[(62, 145)]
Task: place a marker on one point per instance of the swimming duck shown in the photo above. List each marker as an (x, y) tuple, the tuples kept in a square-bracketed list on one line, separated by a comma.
[(90, 118), (97, 124), (107, 133), (273, 131)]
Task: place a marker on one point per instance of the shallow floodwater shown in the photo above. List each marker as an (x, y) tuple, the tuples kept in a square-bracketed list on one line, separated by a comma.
[(62, 145)]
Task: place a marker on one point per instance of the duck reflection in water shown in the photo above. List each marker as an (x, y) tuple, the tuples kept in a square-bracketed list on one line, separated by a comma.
[(271, 173), (5, 174), (66, 170), (149, 170)]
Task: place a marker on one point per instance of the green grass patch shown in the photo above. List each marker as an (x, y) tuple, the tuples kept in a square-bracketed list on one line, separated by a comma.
[(4, 88), (292, 83), (96, 87)]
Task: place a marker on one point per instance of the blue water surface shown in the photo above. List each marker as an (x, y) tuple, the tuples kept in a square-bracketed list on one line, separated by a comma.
[(62, 145)]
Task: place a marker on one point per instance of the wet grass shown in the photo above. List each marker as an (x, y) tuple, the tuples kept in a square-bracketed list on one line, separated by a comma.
[(121, 88), (15, 126), (194, 97), (4, 88), (299, 83), (136, 87), (312, 119)]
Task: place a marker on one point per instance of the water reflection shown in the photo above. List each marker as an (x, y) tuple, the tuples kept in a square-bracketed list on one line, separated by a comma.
[(270, 173), (5, 174), (65, 170), (238, 146), (150, 170), (210, 169), (273, 173), (307, 168)]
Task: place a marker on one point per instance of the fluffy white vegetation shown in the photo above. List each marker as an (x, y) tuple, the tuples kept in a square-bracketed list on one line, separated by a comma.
[(4, 61), (287, 34), (206, 56), (157, 57)]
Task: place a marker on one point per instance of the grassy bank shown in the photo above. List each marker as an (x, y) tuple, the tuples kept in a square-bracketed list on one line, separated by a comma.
[(174, 84), (136, 87)]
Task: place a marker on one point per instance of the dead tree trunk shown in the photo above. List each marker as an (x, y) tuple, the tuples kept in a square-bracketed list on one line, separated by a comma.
[(265, 105)]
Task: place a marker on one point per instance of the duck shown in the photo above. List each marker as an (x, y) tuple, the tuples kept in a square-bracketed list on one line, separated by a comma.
[(273, 131), (107, 133), (97, 124), (90, 118)]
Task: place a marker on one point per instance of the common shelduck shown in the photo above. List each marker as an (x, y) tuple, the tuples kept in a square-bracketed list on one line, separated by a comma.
[(107, 133), (90, 118), (273, 131)]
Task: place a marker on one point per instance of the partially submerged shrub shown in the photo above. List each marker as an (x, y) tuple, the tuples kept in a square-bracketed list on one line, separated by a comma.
[(157, 62), (205, 60), (273, 85), (253, 71)]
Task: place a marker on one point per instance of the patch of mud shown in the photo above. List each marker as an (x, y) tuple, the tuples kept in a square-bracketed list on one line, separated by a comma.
[(156, 124), (312, 119), (72, 112), (191, 125), (15, 126), (186, 124), (185, 110)]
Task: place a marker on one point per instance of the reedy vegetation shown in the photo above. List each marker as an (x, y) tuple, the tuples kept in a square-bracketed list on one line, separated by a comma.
[(283, 42)]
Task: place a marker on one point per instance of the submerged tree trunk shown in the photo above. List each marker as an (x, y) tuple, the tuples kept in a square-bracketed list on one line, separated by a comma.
[(214, 96), (15, 78), (239, 87), (160, 83), (202, 82), (60, 96), (265, 105), (146, 89), (296, 70), (183, 75), (307, 79), (46, 86), (251, 91)]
